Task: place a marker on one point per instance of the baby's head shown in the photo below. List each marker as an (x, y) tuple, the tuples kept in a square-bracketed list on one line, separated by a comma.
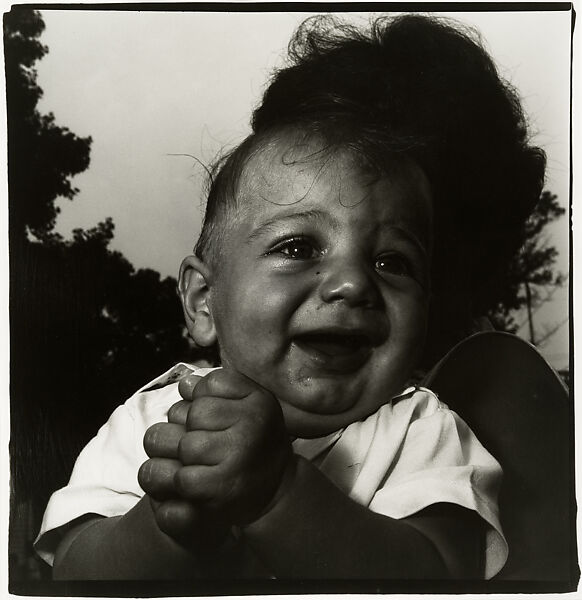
[(381, 172), (317, 285)]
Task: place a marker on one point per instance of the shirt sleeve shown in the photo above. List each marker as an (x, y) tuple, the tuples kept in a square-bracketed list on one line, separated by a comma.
[(441, 460), (104, 478)]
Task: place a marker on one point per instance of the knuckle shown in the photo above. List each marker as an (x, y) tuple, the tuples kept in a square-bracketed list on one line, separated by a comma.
[(183, 480), (213, 379), (191, 447), (192, 418), (179, 482), (185, 449)]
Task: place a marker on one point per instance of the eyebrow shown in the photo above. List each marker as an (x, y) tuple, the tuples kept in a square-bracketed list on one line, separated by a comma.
[(405, 232), (307, 215), (318, 215)]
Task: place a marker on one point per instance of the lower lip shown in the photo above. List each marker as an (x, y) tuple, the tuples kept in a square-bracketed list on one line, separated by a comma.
[(346, 360)]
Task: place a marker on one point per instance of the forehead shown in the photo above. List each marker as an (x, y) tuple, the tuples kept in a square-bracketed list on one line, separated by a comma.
[(290, 174)]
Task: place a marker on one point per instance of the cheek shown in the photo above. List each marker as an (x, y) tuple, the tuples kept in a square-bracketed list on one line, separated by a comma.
[(409, 320), (254, 312), (269, 302)]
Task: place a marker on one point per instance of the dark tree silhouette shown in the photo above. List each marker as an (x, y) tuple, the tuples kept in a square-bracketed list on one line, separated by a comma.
[(86, 328), (43, 156)]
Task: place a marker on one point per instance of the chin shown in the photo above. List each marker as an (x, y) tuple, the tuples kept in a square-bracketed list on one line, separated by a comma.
[(306, 424), (323, 398)]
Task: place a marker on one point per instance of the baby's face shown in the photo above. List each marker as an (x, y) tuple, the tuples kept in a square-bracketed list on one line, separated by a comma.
[(322, 287)]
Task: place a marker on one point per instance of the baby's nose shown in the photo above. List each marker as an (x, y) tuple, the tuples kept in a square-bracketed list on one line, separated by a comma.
[(349, 282)]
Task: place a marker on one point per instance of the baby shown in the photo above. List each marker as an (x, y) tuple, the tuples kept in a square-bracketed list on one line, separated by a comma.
[(327, 251)]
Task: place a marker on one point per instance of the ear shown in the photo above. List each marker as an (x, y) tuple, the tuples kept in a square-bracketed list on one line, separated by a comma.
[(193, 288)]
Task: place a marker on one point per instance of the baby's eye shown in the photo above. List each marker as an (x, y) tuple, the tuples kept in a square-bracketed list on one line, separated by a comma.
[(297, 249), (396, 264)]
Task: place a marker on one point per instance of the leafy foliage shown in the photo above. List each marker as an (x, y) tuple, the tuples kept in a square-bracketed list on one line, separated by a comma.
[(532, 270), (86, 328), (43, 156)]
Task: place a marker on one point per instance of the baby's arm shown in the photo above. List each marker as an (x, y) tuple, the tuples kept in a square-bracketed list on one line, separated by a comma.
[(292, 516), (334, 537), (131, 546), (162, 537)]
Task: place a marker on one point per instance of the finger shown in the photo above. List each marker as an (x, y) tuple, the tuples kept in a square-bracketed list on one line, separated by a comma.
[(202, 448), (189, 524), (157, 477), (200, 483), (212, 414), (187, 385), (161, 440), (176, 517), (224, 383), (178, 412)]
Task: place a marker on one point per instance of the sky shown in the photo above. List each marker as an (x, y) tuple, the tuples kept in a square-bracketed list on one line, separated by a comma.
[(151, 88)]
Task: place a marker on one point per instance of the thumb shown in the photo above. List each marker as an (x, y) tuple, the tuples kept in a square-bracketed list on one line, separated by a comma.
[(188, 524)]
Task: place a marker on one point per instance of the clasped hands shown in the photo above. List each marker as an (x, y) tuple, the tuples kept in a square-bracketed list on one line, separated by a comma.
[(219, 461)]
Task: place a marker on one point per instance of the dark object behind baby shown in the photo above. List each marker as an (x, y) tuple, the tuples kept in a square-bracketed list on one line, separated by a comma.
[(520, 411)]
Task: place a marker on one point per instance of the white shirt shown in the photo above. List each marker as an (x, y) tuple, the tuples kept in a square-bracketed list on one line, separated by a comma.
[(411, 453)]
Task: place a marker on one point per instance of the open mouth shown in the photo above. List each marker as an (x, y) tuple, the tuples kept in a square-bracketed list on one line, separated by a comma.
[(335, 350), (332, 344)]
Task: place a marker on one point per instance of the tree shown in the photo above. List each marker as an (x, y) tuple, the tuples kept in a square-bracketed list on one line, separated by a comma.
[(86, 328), (42, 156), (531, 278)]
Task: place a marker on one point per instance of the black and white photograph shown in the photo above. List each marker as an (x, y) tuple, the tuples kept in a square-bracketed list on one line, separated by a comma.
[(290, 299)]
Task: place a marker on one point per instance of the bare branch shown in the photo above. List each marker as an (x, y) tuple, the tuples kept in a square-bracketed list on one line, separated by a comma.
[(550, 333)]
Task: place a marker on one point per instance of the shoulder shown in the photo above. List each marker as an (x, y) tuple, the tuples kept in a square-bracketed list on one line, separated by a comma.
[(415, 409), (430, 428), (434, 434), (440, 460), (416, 403)]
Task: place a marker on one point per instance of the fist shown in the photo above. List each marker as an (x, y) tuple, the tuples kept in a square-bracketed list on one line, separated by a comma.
[(175, 516), (235, 450), (161, 443)]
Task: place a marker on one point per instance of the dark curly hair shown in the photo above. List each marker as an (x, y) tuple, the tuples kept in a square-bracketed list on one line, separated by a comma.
[(422, 88)]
